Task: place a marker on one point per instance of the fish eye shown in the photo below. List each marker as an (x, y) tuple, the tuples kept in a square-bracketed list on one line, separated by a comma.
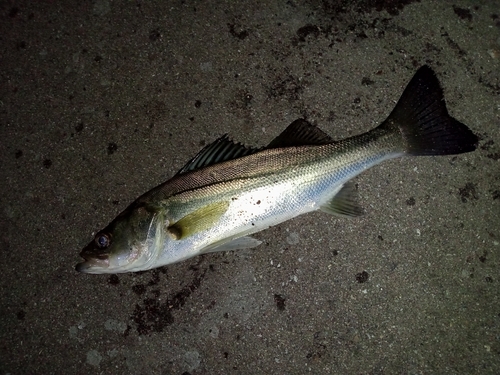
[(102, 240)]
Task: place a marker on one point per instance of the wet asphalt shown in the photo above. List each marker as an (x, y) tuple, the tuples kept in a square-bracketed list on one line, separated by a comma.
[(101, 101)]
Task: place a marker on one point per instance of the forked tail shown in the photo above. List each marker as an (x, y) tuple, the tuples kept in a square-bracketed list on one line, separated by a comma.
[(424, 122)]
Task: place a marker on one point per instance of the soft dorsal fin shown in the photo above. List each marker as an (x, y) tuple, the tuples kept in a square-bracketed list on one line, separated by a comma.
[(300, 133), (223, 149)]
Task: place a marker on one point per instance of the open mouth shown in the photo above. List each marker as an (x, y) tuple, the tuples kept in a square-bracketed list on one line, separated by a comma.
[(95, 259), (93, 262)]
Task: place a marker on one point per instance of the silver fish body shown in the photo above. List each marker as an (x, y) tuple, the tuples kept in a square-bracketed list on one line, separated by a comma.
[(228, 191)]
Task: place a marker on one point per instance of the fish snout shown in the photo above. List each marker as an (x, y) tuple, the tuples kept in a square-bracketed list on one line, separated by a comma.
[(95, 258)]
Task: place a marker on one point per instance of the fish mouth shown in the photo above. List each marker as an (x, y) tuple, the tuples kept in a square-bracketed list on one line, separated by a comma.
[(92, 266), (93, 263)]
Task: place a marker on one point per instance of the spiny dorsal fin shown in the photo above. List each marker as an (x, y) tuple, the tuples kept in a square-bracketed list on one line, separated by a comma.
[(300, 133), (223, 149)]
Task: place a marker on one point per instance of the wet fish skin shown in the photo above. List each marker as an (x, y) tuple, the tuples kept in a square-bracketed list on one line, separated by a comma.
[(228, 191)]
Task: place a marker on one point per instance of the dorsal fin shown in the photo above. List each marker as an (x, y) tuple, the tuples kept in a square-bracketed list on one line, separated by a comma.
[(300, 133), (223, 149)]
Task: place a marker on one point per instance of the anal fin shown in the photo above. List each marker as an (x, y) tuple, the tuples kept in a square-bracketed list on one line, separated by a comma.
[(344, 203)]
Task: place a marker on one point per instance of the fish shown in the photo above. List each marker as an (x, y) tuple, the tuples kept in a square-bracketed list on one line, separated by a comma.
[(229, 191)]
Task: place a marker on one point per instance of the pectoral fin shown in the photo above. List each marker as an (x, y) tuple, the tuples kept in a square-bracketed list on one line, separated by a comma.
[(198, 221), (343, 203)]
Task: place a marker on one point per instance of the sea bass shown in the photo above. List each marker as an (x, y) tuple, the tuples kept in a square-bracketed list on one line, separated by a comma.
[(229, 191)]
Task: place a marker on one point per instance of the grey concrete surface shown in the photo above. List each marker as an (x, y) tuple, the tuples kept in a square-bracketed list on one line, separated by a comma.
[(101, 101)]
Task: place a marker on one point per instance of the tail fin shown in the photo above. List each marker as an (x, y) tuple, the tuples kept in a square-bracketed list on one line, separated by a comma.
[(424, 122)]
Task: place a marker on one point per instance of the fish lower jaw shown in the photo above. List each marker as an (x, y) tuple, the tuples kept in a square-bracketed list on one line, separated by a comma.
[(95, 266)]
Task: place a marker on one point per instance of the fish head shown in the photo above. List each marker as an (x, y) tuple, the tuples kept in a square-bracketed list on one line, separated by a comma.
[(129, 243)]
